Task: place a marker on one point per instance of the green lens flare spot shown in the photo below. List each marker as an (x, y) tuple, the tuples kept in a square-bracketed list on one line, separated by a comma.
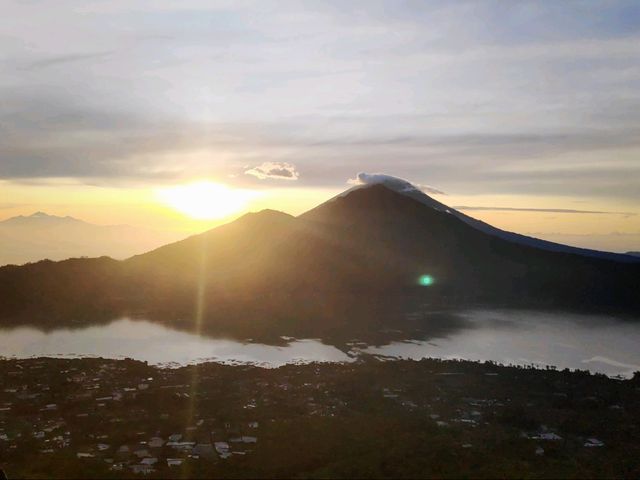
[(425, 280)]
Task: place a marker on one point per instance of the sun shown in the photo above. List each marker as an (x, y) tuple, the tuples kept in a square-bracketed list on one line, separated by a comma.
[(206, 200)]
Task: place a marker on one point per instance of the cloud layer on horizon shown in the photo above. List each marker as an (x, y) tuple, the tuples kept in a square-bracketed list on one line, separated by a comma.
[(474, 97)]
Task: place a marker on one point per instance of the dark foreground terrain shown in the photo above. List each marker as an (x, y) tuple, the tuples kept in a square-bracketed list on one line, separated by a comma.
[(105, 418)]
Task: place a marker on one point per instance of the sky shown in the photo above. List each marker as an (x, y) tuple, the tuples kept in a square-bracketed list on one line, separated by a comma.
[(525, 113)]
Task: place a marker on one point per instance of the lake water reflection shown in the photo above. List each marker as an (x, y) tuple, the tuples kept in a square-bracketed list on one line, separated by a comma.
[(158, 345), (589, 342), (597, 343)]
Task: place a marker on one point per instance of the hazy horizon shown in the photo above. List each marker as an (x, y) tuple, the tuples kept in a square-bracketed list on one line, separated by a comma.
[(506, 217)]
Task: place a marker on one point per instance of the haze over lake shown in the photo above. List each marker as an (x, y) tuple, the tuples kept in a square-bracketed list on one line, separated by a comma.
[(597, 343)]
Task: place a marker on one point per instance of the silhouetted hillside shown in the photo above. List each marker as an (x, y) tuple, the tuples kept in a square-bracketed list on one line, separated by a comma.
[(352, 263)]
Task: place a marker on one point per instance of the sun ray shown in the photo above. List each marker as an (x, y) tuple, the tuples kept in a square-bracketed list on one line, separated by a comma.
[(205, 200), (200, 302)]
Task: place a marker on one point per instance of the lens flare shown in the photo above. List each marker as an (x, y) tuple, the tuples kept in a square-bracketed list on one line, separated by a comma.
[(426, 280)]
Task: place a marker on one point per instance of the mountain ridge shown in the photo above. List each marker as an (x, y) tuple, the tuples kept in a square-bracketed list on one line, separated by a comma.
[(406, 188), (40, 236), (352, 264)]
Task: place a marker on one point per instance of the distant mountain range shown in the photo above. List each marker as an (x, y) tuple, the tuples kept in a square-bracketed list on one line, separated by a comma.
[(361, 261), (41, 236)]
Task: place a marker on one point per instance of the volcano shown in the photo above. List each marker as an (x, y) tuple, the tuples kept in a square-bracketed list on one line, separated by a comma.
[(365, 258)]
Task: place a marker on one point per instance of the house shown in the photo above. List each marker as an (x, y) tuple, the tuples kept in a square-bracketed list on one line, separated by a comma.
[(247, 439), (174, 462), (387, 394), (181, 446), (142, 453), (156, 442), (547, 436), (221, 448), (142, 469), (149, 461), (593, 442), (85, 455), (61, 441), (124, 450), (204, 450), (103, 446), (176, 437)]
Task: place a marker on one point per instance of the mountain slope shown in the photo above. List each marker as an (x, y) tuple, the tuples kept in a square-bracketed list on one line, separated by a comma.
[(351, 263), (470, 263), (405, 188)]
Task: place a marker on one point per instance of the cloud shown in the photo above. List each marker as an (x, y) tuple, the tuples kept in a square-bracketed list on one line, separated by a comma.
[(431, 190), (274, 170), (64, 59), (392, 182), (543, 210), (483, 106)]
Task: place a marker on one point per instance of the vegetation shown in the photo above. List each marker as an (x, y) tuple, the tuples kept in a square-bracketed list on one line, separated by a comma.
[(371, 419)]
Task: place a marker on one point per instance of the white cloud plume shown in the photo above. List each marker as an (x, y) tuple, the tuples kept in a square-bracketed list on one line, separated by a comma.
[(393, 182)]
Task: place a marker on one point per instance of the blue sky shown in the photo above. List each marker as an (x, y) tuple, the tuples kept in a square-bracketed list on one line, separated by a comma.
[(474, 98)]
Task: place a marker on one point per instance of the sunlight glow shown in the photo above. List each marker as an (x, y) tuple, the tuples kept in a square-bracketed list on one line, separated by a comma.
[(205, 200)]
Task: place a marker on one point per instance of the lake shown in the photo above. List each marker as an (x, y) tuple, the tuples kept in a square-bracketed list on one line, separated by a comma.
[(598, 343)]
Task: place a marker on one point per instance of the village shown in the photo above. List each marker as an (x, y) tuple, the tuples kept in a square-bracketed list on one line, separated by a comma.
[(101, 418)]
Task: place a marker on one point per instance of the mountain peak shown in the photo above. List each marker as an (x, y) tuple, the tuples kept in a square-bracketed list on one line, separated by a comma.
[(406, 188), (394, 183), (266, 213), (40, 214), (398, 185), (40, 218)]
